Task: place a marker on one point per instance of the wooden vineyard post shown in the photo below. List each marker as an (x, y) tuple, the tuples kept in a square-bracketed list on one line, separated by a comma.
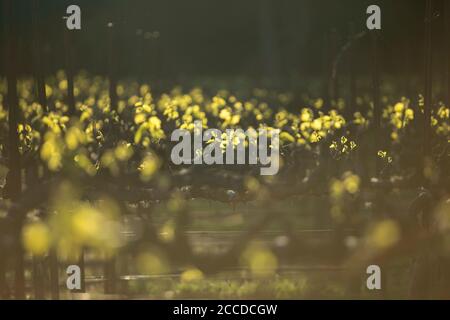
[(333, 86), (69, 48), (325, 71), (31, 181), (32, 169), (39, 74), (110, 276), (13, 181), (3, 262), (14, 175), (446, 41), (156, 61), (378, 141), (3, 289), (330, 82), (69, 70), (376, 96), (111, 67), (109, 265), (54, 274), (38, 279), (428, 99), (356, 281), (139, 56), (421, 282), (351, 106), (407, 65)]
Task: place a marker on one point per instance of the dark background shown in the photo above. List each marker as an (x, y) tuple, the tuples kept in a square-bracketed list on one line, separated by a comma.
[(252, 38)]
